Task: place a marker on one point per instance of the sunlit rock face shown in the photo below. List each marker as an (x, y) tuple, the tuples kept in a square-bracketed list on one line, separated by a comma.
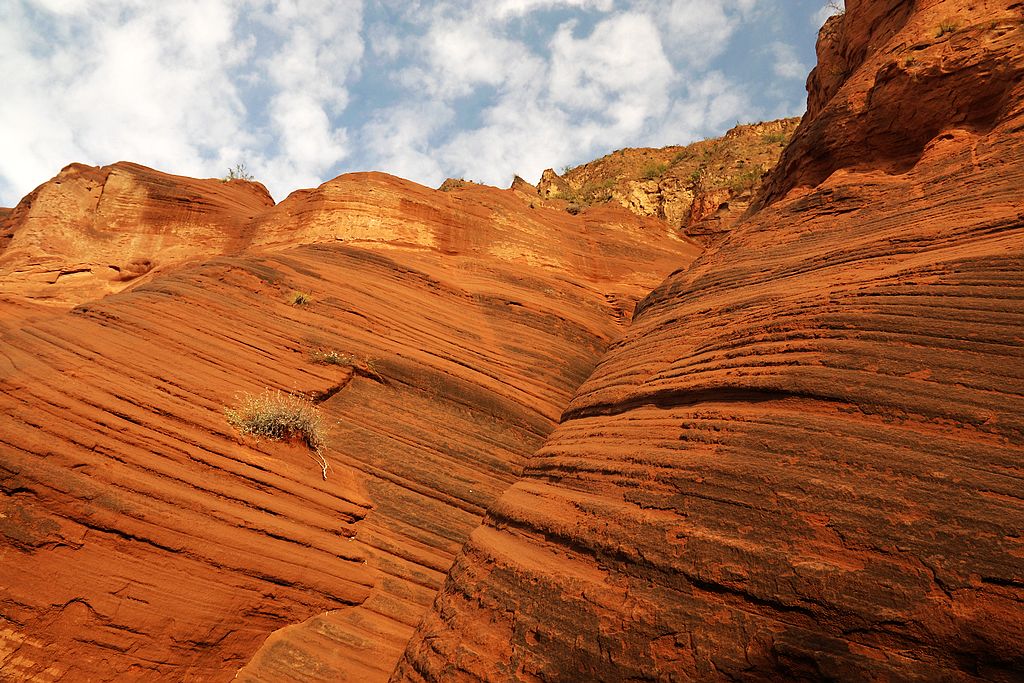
[(701, 189), (804, 460), (439, 334), (92, 231)]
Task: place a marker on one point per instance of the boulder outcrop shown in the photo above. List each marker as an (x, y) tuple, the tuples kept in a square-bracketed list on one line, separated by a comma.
[(701, 189), (805, 459)]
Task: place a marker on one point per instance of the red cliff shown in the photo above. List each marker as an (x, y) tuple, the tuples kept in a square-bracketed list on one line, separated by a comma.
[(92, 231), (142, 537), (805, 459), (557, 447)]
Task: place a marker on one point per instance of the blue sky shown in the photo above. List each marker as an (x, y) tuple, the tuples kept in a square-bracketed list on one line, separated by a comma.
[(303, 90)]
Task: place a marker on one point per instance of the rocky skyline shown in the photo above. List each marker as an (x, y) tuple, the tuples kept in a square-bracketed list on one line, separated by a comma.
[(303, 90)]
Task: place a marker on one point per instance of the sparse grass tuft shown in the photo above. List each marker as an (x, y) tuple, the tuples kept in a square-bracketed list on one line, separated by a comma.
[(300, 298), (774, 138), (701, 179), (745, 181), (332, 357), (370, 366), (682, 155), (281, 416), (367, 367), (944, 28)]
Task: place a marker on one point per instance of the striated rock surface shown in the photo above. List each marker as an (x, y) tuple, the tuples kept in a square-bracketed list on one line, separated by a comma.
[(142, 538), (805, 459), (92, 231)]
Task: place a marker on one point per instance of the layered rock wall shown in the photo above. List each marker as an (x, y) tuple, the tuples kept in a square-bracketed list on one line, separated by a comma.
[(802, 461), (805, 459), (142, 538), (93, 231)]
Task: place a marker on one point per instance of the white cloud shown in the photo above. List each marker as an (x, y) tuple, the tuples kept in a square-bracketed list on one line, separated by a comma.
[(321, 50), (505, 8), (307, 142), (464, 54), (619, 69), (302, 89), (713, 102), (141, 89), (383, 43), (523, 140), (400, 140), (786, 64), (548, 103), (62, 6), (697, 31), (164, 85)]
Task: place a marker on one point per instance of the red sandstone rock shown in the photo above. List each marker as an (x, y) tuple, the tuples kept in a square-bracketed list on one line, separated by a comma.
[(92, 231), (141, 537), (805, 460)]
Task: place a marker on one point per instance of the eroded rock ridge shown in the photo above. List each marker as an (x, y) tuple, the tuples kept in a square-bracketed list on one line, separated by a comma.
[(805, 459)]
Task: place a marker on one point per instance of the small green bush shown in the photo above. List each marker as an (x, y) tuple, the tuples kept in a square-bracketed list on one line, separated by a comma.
[(682, 155), (745, 181), (654, 171), (281, 416), (944, 28), (238, 173), (774, 138), (701, 179)]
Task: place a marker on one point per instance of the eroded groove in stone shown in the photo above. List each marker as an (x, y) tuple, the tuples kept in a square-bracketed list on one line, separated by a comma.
[(143, 538), (805, 459)]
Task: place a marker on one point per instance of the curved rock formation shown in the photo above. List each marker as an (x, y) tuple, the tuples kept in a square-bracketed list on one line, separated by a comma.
[(142, 538), (805, 460), (92, 231)]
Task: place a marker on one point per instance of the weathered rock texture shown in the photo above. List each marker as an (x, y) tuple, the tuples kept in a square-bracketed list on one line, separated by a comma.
[(805, 460), (141, 538), (92, 231), (702, 188)]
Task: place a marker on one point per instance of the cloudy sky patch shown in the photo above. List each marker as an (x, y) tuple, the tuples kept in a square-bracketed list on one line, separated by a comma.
[(303, 90)]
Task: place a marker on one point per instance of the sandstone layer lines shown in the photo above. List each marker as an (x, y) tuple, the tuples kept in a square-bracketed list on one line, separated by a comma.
[(805, 458), (144, 538)]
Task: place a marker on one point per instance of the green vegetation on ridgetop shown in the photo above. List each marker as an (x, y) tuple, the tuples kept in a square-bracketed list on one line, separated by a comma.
[(665, 182)]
